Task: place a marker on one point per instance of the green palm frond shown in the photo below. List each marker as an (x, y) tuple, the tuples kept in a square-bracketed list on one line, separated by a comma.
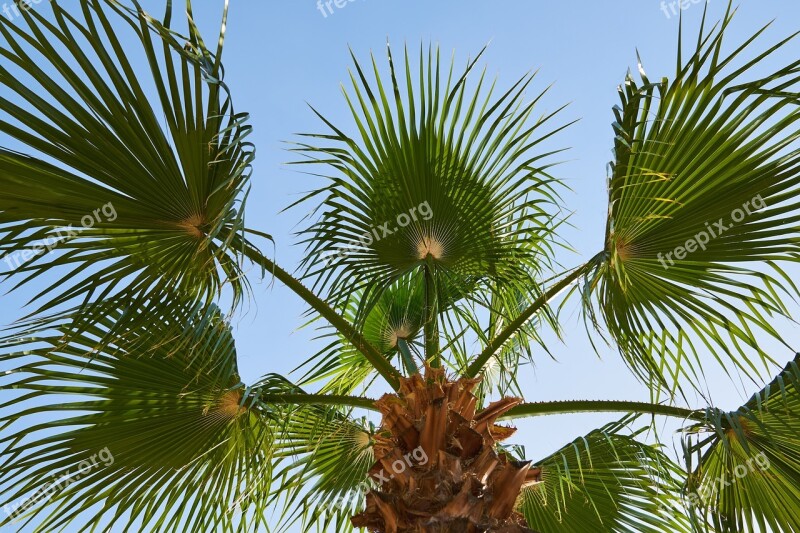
[(393, 325), (606, 482), (120, 185), (746, 464), (716, 147), (438, 177), (327, 461), (396, 319), (322, 460), (183, 451), (505, 303)]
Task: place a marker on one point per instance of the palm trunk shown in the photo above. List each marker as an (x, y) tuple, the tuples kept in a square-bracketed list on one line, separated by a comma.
[(438, 467)]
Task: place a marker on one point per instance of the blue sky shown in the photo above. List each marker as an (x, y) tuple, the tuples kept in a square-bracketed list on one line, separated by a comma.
[(281, 55)]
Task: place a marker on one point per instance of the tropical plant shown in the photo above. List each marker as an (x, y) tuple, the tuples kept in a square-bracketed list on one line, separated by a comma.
[(128, 357)]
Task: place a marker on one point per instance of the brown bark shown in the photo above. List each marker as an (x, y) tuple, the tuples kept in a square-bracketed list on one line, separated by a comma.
[(464, 485)]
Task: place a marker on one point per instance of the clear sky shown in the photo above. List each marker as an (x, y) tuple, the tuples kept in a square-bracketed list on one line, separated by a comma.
[(281, 55)]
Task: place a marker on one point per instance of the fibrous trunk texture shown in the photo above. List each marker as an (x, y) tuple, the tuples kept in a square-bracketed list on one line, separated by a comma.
[(438, 467)]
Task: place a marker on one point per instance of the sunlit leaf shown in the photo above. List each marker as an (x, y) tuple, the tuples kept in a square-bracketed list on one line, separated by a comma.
[(186, 450), (441, 175), (606, 481), (117, 182), (746, 463), (703, 211)]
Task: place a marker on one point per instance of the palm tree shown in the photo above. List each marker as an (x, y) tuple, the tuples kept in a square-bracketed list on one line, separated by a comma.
[(435, 234)]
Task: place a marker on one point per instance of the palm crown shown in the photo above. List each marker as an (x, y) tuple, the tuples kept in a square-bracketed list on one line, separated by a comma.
[(435, 233)]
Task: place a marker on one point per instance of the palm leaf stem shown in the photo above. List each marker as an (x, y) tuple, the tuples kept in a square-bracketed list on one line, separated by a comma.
[(604, 406), (431, 313), (318, 399), (495, 344), (382, 366), (524, 410), (408, 358)]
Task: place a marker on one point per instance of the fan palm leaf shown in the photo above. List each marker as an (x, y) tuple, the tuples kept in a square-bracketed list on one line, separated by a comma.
[(325, 458), (393, 326), (605, 481), (186, 450), (703, 212), (746, 464), (437, 179), (394, 322), (130, 186)]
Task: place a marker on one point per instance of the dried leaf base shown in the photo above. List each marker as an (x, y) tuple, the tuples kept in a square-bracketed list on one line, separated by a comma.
[(465, 486)]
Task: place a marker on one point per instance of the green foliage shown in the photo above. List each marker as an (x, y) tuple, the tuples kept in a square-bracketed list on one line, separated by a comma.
[(605, 481), (458, 164), (746, 464), (157, 161), (187, 452), (717, 143), (396, 317), (323, 477)]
